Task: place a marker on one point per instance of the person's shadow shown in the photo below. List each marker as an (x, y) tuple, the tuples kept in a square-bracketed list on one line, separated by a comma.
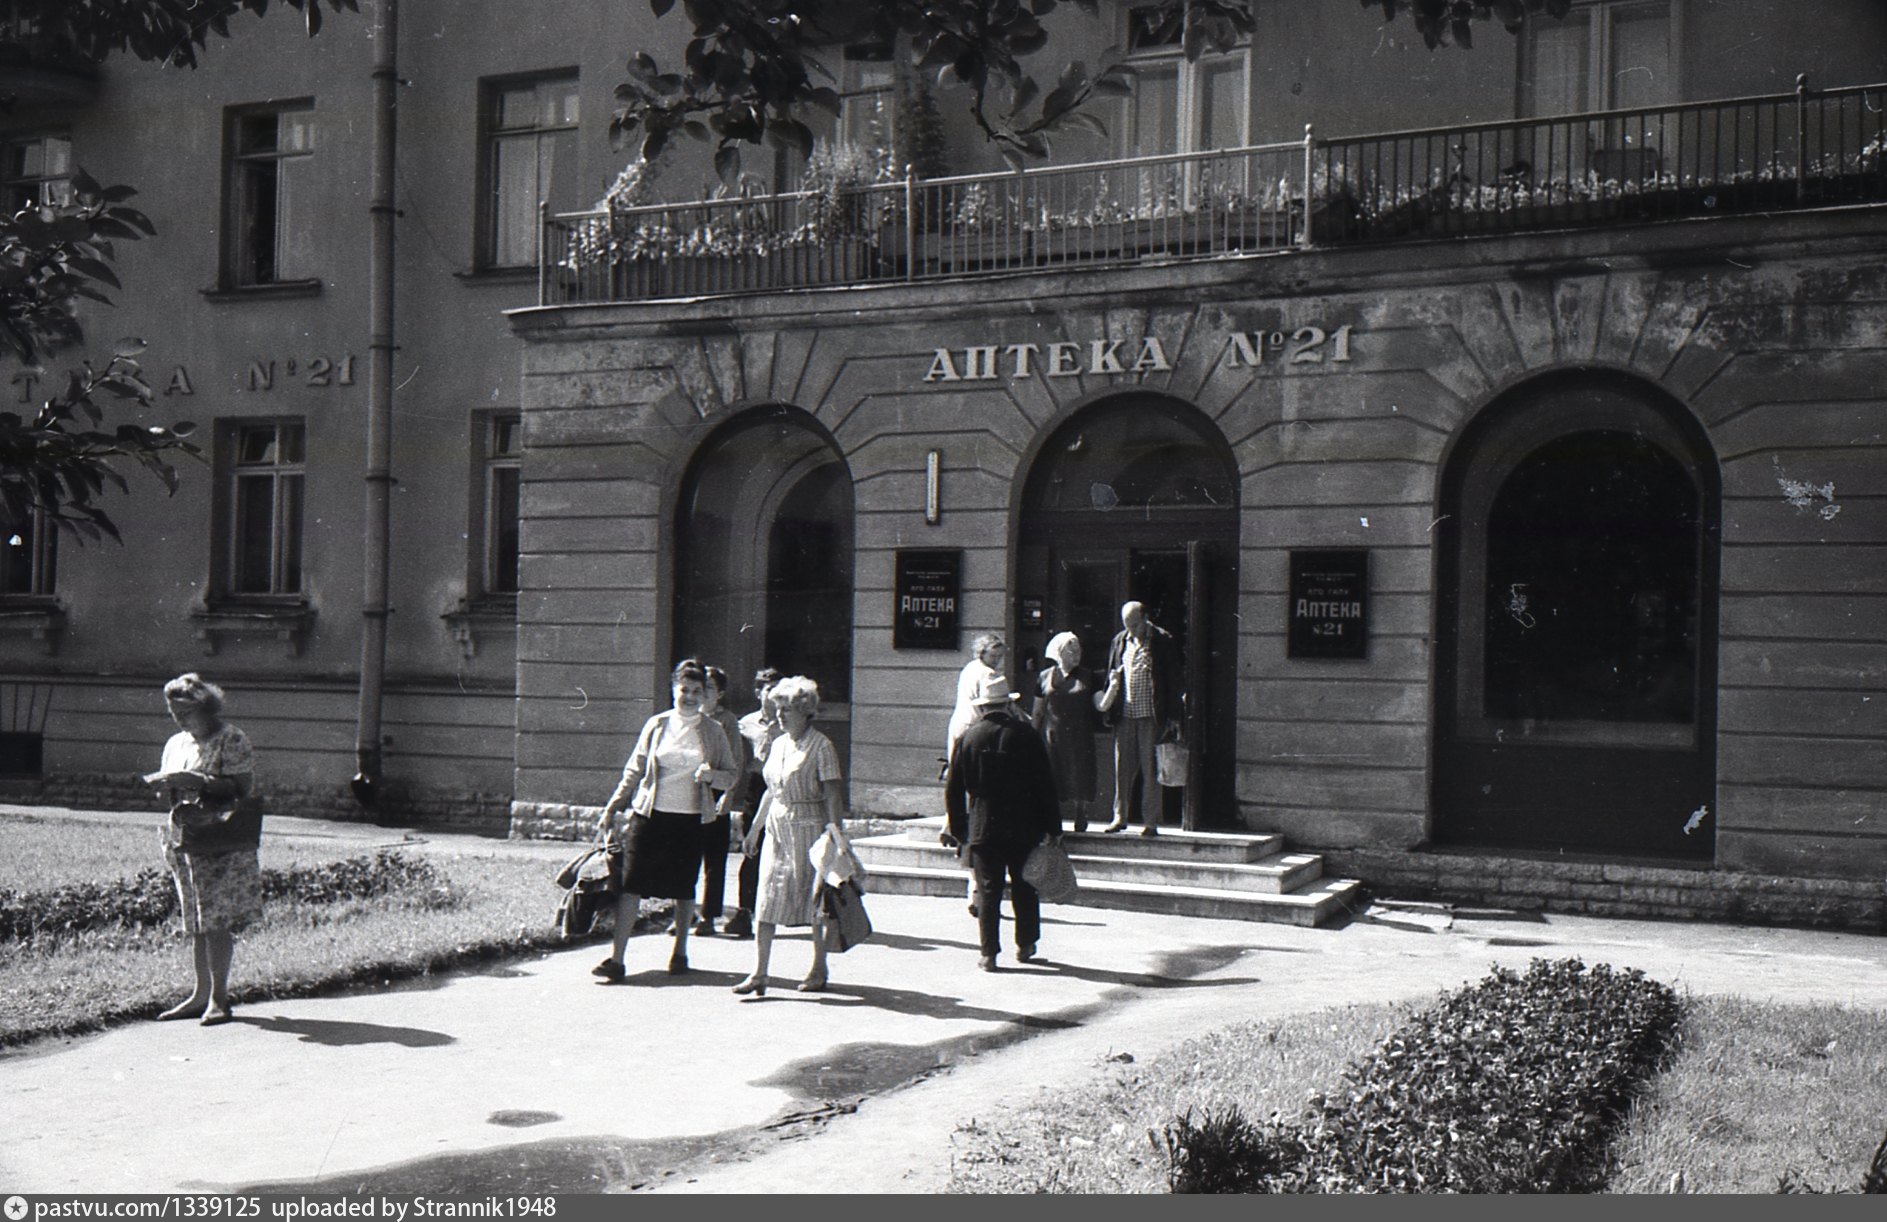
[(343, 1035)]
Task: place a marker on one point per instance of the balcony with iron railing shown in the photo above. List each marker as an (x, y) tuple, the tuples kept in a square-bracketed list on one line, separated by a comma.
[(1804, 149)]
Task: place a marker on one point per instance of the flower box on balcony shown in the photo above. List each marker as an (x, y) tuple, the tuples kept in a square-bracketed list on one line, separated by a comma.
[(795, 265)]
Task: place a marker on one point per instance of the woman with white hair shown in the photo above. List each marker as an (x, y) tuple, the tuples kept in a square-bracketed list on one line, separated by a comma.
[(1065, 717), (804, 798), (986, 659), (210, 840)]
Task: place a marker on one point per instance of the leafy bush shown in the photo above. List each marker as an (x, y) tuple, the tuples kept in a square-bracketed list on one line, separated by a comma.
[(1225, 1152), (1510, 1085), (150, 897)]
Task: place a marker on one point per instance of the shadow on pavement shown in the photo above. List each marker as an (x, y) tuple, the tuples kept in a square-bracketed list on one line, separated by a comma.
[(343, 1035)]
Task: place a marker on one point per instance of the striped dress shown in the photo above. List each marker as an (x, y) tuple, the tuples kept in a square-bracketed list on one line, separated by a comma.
[(796, 773)]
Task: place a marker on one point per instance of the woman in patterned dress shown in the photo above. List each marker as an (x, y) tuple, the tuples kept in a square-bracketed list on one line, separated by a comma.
[(804, 798), (210, 840)]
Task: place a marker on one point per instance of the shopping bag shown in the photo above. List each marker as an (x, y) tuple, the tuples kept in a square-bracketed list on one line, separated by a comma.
[(1050, 872), (1170, 763), (846, 922)]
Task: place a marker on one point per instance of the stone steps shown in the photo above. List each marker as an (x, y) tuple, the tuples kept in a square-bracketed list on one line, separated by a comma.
[(1205, 874)]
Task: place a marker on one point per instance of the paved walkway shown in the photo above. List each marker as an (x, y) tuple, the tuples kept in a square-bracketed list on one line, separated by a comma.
[(535, 1077)]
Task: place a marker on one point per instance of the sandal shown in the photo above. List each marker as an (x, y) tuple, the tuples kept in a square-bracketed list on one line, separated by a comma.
[(216, 1016)]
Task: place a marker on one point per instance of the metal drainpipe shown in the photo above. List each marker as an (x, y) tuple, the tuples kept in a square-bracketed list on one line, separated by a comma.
[(373, 637)]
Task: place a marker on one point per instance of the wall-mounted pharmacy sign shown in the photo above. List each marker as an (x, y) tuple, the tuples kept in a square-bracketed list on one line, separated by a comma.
[(1328, 612)]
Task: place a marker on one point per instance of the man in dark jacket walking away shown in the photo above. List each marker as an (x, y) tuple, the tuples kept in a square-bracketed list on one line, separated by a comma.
[(1000, 794)]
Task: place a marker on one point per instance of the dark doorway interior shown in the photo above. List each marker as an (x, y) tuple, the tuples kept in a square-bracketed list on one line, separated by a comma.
[(1136, 498)]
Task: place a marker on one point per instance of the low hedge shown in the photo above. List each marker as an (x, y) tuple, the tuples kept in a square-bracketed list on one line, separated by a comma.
[(1513, 1084), (150, 896)]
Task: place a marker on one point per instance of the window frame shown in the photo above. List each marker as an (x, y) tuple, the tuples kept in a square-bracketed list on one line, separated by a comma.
[(490, 458), (1600, 85), (487, 212), (240, 244), (227, 567), (59, 184), (1189, 94), (41, 564)]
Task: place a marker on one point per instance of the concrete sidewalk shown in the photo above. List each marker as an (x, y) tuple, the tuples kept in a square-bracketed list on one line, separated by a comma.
[(533, 1077)]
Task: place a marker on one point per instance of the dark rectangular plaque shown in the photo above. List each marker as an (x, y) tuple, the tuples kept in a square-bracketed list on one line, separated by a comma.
[(927, 599), (1328, 612)]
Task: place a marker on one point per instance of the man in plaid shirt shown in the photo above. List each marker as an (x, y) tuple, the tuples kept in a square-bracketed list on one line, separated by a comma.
[(1145, 688)]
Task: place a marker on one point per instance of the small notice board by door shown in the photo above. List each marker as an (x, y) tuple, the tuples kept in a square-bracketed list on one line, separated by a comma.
[(927, 593), (1327, 615)]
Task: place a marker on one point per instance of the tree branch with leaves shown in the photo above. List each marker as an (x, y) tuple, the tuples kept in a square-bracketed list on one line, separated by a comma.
[(752, 71), (58, 460)]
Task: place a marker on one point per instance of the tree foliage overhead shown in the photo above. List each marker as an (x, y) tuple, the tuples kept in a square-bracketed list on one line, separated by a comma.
[(1452, 22), (163, 31), (58, 459), (753, 68), (61, 457)]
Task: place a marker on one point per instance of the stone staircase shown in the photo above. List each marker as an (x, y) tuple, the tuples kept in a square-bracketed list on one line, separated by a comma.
[(1206, 874)]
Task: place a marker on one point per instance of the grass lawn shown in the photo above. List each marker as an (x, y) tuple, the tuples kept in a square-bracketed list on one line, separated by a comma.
[(1757, 1090), (494, 905)]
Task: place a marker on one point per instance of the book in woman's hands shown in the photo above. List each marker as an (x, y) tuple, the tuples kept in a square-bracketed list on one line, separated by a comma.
[(182, 778)]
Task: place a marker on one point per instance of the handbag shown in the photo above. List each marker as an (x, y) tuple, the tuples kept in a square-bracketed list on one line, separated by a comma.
[(1048, 870), (1170, 760), (203, 830), (846, 923)]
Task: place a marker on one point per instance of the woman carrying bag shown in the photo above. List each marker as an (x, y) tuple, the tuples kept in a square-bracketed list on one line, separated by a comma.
[(667, 788)]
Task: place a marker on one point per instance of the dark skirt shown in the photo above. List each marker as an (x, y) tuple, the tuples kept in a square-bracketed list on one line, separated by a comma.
[(662, 855)]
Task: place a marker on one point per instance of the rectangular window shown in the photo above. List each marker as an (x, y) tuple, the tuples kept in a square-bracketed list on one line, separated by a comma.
[(269, 196), (28, 556), (34, 170), (1606, 55), (1180, 105), (530, 158), (266, 463), (867, 97), (503, 452)]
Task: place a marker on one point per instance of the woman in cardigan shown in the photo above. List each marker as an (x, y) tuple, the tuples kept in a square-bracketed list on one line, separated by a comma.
[(804, 798), (210, 840), (667, 788)]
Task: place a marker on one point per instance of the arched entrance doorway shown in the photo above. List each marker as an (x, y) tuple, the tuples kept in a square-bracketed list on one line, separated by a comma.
[(1576, 631), (1136, 497), (763, 558)]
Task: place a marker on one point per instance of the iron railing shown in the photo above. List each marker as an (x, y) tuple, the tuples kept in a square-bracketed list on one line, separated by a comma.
[(1802, 149)]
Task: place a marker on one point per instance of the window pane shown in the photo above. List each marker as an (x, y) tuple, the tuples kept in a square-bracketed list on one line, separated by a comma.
[(503, 511), (517, 108), (1154, 126), (293, 442), (557, 174), (1222, 104), (256, 134), (1641, 57), (16, 560), (514, 175), (290, 577), (1561, 61), (256, 446), (294, 229), (505, 436), (254, 523)]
